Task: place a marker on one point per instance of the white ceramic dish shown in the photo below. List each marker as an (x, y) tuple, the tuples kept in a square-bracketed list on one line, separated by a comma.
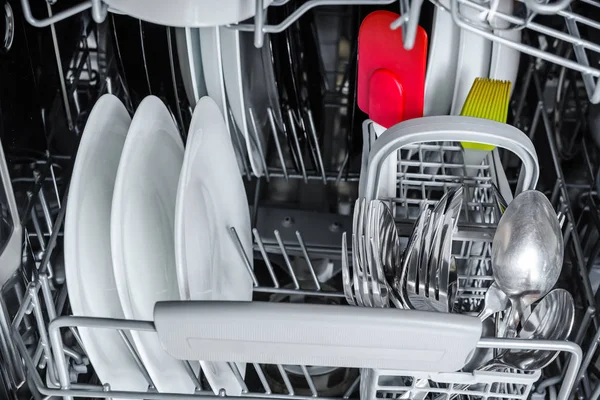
[(187, 13), (441, 63), (212, 63), (240, 99), (505, 60), (10, 249), (87, 249), (209, 202), (142, 229), (473, 62), (190, 63)]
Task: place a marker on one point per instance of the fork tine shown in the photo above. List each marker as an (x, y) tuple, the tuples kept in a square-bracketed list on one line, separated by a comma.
[(362, 265), (356, 254), (357, 283), (366, 280), (371, 267), (346, 280)]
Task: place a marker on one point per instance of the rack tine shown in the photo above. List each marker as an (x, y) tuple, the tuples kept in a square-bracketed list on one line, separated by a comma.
[(277, 143), (237, 144), (263, 252), (190, 371), (286, 380), (173, 76), (297, 144), (136, 357), (59, 66), (238, 376), (262, 378), (144, 56), (309, 380), (40, 237), (258, 144), (313, 134), (307, 258), (238, 244), (259, 22), (287, 259)]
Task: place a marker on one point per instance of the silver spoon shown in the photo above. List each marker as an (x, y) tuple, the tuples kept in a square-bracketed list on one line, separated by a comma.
[(527, 252), (552, 319)]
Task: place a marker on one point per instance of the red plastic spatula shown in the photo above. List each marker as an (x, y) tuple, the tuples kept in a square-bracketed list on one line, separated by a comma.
[(391, 80)]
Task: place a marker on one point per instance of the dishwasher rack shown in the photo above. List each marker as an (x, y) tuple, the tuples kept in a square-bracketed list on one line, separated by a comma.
[(31, 335)]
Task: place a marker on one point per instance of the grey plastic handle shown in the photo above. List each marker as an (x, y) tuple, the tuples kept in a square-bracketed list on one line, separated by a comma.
[(450, 128), (319, 335), (10, 254)]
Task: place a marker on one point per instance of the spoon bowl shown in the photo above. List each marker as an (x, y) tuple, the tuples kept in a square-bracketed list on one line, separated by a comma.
[(527, 252), (551, 319)]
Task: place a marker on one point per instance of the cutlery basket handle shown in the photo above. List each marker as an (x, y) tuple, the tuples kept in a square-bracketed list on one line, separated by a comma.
[(455, 129), (320, 335)]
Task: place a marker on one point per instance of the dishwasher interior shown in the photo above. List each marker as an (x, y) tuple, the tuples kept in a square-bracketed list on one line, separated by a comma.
[(318, 155)]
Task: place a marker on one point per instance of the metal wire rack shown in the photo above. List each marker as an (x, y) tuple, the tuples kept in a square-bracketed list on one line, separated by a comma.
[(576, 35), (292, 270)]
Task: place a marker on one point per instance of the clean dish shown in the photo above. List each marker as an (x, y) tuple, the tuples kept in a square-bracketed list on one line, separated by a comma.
[(238, 98), (88, 263), (142, 221), (190, 63), (441, 64), (505, 60), (474, 53), (187, 13), (212, 64), (210, 201)]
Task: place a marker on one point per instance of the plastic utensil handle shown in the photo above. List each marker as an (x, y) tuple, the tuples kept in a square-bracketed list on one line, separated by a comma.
[(307, 334), (454, 129)]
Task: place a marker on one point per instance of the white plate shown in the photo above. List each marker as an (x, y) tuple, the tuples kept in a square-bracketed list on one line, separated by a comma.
[(441, 64), (235, 76), (505, 60), (88, 263), (474, 54), (210, 201), (212, 63), (188, 13), (142, 221), (190, 63)]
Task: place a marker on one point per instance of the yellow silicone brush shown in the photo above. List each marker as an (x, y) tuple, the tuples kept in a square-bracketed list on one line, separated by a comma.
[(489, 99)]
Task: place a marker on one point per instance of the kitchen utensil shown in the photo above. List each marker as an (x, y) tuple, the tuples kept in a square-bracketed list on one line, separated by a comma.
[(141, 227), (495, 301), (441, 63), (487, 99), (390, 83), (474, 53), (316, 334), (527, 252), (187, 13), (408, 258), (551, 319), (88, 263), (209, 203)]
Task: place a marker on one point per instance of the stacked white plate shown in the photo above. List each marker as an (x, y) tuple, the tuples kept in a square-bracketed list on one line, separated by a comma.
[(140, 209)]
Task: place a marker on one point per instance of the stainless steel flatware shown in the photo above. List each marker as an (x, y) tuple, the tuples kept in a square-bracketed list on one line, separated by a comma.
[(527, 252)]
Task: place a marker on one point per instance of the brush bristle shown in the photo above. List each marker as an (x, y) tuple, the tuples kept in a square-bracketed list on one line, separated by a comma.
[(488, 99)]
